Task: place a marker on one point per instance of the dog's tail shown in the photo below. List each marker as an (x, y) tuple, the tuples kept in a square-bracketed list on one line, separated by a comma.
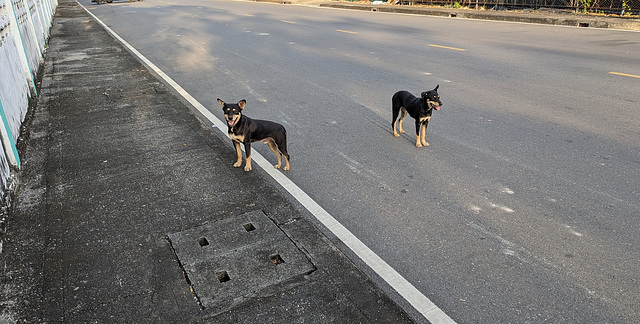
[(285, 143)]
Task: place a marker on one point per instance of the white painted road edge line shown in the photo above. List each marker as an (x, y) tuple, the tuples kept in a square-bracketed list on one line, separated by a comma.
[(412, 295)]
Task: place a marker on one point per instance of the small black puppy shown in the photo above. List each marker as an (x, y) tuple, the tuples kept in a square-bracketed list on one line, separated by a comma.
[(418, 108), (245, 130)]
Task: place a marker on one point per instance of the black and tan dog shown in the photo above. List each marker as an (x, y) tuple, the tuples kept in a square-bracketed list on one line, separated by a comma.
[(245, 130), (420, 109)]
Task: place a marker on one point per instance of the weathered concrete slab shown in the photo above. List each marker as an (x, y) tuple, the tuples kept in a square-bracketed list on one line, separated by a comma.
[(237, 257)]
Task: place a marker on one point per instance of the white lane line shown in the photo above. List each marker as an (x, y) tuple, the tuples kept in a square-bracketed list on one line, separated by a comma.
[(412, 295), (419, 301)]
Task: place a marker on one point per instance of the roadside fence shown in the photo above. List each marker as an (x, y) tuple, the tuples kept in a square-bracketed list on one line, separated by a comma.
[(24, 31), (618, 7)]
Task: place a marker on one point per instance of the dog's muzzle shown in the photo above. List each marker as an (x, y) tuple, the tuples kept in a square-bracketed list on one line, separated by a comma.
[(434, 105), (232, 119)]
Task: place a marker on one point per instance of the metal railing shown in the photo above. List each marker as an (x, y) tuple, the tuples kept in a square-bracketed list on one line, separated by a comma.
[(618, 7)]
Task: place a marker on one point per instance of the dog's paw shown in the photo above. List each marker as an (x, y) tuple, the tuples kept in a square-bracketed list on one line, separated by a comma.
[(247, 168), (418, 144), (425, 144), (277, 166), (396, 135), (286, 168), (237, 164)]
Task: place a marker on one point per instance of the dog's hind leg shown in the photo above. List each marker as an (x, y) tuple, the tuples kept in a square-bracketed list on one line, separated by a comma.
[(403, 114), (280, 150), (276, 151), (286, 161), (282, 147), (395, 111)]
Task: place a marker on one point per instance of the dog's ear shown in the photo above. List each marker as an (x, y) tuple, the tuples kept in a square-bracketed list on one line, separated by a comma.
[(436, 89), (242, 103), (221, 102)]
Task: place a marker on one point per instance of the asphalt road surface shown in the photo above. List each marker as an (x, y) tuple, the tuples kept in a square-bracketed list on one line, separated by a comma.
[(525, 208)]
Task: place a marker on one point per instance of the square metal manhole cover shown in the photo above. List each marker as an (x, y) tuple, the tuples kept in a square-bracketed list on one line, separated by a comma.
[(236, 257)]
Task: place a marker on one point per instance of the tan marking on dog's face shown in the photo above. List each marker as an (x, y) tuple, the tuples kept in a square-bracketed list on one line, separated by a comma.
[(234, 112), (432, 98)]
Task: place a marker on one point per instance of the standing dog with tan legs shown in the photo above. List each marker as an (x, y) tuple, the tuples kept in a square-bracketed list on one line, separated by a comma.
[(244, 130), (419, 109)]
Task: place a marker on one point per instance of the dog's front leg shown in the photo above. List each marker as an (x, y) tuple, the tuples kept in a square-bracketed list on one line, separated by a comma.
[(423, 133), (418, 128), (239, 155), (247, 151)]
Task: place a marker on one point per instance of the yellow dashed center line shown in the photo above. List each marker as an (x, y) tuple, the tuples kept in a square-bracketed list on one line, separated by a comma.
[(288, 22), (624, 74), (447, 47), (346, 31)]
